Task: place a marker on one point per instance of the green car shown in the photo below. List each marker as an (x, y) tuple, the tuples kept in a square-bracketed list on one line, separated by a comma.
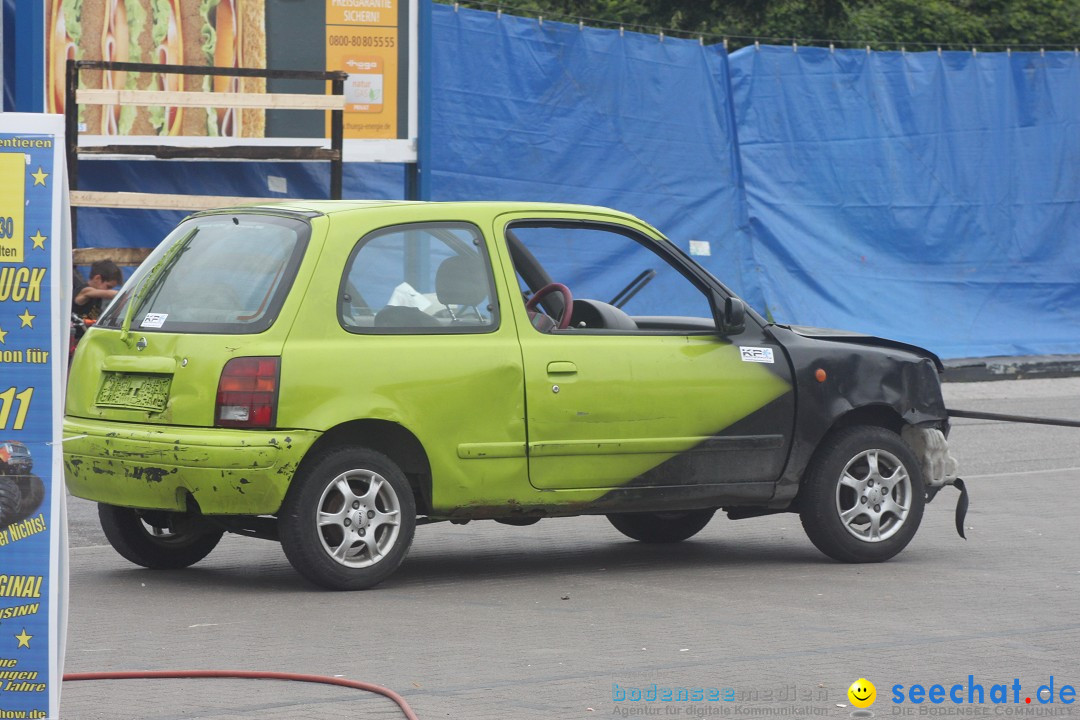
[(331, 374)]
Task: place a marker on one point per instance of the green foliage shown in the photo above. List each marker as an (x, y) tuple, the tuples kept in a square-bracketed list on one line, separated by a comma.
[(882, 24)]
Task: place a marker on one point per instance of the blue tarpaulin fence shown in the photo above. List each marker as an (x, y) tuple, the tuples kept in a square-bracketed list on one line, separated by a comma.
[(930, 198), (555, 112)]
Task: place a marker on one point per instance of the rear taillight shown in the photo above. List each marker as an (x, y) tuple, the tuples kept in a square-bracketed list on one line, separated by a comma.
[(247, 393)]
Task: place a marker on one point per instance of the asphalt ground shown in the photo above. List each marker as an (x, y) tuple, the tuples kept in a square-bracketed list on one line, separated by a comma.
[(555, 619)]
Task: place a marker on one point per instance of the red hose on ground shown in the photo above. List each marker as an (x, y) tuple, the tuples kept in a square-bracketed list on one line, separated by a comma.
[(249, 675)]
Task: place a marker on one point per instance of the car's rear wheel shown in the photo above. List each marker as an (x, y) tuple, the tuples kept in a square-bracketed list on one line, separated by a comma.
[(10, 499), (862, 497), (349, 519), (158, 540), (662, 527)]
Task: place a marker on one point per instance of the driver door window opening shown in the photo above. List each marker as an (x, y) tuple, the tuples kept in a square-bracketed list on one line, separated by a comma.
[(579, 277)]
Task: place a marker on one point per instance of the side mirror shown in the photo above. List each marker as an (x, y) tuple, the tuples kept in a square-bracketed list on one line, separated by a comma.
[(729, 313)]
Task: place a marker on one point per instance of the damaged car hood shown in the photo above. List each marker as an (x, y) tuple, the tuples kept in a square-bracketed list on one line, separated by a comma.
[(862, 339)]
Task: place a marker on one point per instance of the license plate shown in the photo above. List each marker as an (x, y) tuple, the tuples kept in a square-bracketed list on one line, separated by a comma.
[(136, 391)]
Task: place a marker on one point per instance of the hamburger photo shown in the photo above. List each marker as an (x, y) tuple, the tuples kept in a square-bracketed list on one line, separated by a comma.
[(227, 33), (231, 34)]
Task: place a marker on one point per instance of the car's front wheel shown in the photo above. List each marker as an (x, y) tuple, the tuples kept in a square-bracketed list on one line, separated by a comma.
[(661, 527), (862, 497), (158, 540), (349, 519)]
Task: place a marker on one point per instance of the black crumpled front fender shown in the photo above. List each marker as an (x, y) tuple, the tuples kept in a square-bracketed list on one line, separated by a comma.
[(865, 379)]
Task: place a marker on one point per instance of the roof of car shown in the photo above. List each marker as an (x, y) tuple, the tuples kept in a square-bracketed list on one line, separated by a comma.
[(332, 207)]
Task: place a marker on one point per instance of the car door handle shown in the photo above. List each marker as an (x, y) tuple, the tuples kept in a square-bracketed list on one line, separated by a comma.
[(561, 367)]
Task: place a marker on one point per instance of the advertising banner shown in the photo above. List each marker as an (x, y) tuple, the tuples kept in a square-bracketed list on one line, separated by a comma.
[(223, 33), (372, 40), (362, 39), (33, 568)]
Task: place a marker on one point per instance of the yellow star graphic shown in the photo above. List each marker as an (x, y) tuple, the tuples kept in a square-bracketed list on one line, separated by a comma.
[(39, 240), (39, 176), (27, 318), (2, 336), (24, 639)]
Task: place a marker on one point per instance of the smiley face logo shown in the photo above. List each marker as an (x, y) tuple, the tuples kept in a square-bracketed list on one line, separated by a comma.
[(862, 693)]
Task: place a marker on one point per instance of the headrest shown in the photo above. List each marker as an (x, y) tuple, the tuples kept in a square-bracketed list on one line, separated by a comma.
[(460, 281)]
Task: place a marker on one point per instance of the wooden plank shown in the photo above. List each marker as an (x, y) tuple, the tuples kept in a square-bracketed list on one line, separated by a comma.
[(153, 201), (280, 101), (125, 257), (171, 69)]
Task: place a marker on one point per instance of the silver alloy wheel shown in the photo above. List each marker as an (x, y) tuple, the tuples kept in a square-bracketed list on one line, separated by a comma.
[(359, 518), (873, 495)]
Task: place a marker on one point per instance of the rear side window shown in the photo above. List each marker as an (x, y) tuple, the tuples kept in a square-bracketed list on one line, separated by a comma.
[(417, 279), (226, 274)]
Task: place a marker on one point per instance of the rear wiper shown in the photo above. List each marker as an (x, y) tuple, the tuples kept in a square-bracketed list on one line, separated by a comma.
[(151, 281)]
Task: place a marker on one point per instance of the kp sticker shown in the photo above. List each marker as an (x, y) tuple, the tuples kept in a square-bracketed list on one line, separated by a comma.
[(156, 320), (756, 354)]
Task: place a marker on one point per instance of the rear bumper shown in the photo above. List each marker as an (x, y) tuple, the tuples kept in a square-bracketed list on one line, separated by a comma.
[(228, 472)]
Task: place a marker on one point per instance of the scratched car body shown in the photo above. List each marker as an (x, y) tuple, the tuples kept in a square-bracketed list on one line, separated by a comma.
[(331, 374)]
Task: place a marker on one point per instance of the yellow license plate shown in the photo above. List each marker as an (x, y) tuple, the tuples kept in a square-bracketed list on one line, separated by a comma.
[(136, 391)]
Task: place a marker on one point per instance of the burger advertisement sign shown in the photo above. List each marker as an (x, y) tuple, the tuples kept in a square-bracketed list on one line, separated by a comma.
[(310, 35), (225, 33)]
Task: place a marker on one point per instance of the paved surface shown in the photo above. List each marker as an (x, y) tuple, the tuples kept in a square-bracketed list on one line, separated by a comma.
[(1011, 368), (489, 621)]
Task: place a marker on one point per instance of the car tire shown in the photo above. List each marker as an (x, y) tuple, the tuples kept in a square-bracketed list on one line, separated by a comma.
[(662, 527), (862, 497), (349, 519), (158, 540), (10, 500)]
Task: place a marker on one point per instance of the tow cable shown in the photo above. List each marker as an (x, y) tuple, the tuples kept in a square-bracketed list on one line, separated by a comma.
[(962, 503), (975, 415), (246, 674)]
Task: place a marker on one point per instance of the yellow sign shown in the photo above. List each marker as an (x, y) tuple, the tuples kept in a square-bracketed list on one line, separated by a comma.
[(362, 39), (378, 13), (12, 206)]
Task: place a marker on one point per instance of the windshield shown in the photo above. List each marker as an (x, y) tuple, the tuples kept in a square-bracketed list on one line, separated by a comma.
[(224, 274)]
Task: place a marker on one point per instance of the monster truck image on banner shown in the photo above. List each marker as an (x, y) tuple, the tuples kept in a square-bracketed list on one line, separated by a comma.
[(33, 577)]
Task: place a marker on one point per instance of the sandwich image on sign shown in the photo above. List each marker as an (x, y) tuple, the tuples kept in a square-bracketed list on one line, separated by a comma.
[(225, 33)]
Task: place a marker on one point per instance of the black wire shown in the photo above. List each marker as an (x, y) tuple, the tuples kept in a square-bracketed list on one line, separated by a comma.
[(975, 415)]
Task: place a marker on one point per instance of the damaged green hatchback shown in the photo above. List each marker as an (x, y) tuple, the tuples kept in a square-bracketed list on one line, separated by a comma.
[(329, 374)]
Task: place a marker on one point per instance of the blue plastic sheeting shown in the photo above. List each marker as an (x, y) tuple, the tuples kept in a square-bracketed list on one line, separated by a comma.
[(933, 199), (930, 198), (550, 112), (100, 227)]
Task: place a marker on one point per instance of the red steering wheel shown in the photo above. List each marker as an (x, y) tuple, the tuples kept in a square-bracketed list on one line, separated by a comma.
[(568, 302)]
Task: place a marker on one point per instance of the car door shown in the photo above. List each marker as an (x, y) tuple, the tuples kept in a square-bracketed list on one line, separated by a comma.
[(418, 340), (639, 388)]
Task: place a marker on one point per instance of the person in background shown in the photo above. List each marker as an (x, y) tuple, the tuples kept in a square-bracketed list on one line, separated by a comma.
[(87, 295)]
